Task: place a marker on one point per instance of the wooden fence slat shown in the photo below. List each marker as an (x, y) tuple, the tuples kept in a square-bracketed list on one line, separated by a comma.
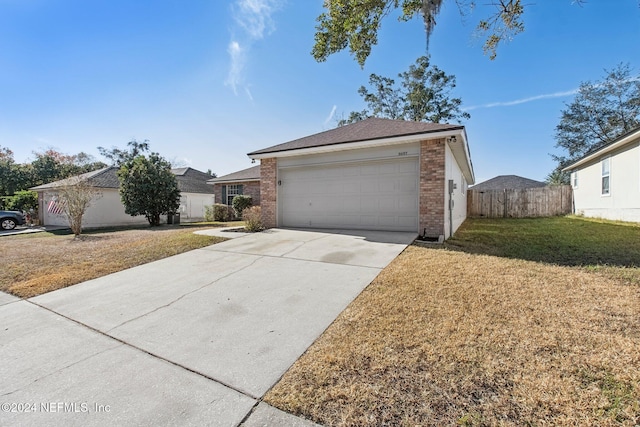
[(530, 202)]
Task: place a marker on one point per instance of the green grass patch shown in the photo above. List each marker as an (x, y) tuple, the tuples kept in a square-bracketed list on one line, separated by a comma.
[(570, 241)]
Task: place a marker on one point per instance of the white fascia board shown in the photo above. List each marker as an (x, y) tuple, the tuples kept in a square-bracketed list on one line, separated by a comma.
[(624, 141), (396, 140), (224, 181), (471, 179)]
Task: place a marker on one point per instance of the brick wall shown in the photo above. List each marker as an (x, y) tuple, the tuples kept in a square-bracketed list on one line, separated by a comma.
[(251, 188), (268, 183), (432, 188)]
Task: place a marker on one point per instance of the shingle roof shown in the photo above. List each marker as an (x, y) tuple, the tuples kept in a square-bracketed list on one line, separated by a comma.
[(365, 130), (249, 174), (192, 180), (509, 182), (189, 180), (101, 178), (612, 145)]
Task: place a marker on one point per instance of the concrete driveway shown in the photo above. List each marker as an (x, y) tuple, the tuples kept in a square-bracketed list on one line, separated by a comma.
[(195, 339)]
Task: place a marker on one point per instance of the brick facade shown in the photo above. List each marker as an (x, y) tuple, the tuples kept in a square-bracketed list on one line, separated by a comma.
[(249, 188), (268, 191), (432, 187)]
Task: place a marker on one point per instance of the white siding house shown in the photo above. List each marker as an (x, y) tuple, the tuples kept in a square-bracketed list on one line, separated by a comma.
[(606, 183), (457, 195)]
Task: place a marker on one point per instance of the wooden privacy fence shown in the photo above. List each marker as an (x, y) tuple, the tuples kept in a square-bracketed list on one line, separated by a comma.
[(528, 202)]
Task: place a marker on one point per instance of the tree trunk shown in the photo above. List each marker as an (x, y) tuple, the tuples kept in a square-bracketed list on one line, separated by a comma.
[(154, 220)]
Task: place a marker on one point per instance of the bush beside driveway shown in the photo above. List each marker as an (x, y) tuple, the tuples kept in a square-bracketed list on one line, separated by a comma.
[(513, 322)]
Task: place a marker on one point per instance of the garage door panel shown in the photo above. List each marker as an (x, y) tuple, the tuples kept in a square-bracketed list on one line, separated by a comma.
[(369, 170), (350, 171), (351, 187), (351, 205), (388, 205), (407, 204), (332, 187), (337, 221), (368, 205), (407, 222), (389, 169), (388, 221), (378, 195), (387, 186), (407, 167), (407, 185)]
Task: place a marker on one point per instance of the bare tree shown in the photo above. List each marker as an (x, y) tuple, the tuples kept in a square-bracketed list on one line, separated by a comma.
[(75, 197)]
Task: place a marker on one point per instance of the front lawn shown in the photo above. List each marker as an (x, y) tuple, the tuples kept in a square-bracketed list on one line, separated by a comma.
[(512, 322), (43, 262)]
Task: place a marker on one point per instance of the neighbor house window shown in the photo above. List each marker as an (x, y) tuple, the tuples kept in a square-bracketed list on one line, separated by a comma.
[(606, 172), (575, 179), (233, 191)]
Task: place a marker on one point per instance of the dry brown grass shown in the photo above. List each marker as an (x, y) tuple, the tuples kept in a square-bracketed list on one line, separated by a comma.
[(43, 262), (450, 338)]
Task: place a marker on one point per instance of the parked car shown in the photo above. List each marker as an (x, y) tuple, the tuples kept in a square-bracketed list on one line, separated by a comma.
[(11, 219)]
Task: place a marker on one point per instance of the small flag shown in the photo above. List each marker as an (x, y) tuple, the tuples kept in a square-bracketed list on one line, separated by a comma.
[(55, 208)]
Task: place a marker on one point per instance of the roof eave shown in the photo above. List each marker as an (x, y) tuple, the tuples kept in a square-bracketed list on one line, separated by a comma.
[(463, 152), (403, 139), (465, 163), (609, 148)]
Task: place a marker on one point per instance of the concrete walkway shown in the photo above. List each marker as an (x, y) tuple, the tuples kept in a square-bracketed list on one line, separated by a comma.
[(195, 339)]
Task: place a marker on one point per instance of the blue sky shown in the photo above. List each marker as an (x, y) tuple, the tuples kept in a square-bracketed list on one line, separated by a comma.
[(208, 81)]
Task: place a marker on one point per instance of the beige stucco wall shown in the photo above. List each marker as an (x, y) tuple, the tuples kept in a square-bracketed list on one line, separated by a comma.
[(107, 210), (623, 201)]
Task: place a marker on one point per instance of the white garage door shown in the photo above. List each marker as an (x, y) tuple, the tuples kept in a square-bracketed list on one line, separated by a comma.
[(372, 195)]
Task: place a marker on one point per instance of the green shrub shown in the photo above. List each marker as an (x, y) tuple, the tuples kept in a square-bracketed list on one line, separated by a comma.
[(220, 212), (22, 201), (240, 203), (208, 213), (253, 219)]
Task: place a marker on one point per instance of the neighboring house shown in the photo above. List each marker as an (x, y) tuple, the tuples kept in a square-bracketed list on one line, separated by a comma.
[(245, 182), (376, 174), (107, 209), (606, 182), (508, 182)]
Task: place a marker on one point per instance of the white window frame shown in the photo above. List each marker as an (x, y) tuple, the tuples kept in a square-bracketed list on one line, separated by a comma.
[(605, 174), (574, 179), (233, 190)]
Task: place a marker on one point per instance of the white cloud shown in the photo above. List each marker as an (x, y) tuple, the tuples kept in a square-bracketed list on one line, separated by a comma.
[(254, 16), (248, 92), (523, 100), (331, 115), (236, 54), (544, 96), (254, 22)]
